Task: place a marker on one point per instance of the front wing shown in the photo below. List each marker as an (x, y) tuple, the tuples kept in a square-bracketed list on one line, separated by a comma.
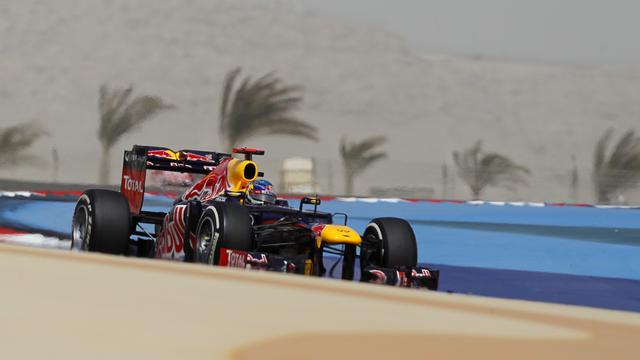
[(420, 277)]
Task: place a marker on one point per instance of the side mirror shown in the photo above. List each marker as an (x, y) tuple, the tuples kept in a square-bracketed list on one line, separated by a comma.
[(310, 200), (315, 201)]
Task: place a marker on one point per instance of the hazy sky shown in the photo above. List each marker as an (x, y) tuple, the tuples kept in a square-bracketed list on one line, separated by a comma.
[(567, 31)]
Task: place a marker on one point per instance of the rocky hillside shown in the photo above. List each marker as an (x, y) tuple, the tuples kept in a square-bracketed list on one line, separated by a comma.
[(358, 81)]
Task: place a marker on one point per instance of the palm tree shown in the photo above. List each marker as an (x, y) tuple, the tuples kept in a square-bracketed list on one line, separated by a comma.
[(574, 180), (444, 171), (480, 170), (119, 114), (357, 156), (15, 140), (618, 171), (55, 160), (262, 106)]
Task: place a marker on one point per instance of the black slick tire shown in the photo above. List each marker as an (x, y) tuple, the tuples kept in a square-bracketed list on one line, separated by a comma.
[(398, 242), (101, 222), (222, 225)]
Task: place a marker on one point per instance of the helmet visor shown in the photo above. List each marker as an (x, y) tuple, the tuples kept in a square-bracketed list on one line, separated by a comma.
[(265, 198)]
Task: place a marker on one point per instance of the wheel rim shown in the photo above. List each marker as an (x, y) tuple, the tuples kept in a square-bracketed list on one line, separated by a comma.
[(80, 230), (207, 239), (378, 254)]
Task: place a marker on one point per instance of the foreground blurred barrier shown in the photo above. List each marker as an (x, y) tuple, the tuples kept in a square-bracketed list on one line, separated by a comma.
[(128, 302)]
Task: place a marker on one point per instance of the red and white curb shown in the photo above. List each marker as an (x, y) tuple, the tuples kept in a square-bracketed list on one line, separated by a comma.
[(13, 194), (12, 236)]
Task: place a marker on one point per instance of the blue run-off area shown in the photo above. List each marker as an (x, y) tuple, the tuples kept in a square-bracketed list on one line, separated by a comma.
[(574, 255)]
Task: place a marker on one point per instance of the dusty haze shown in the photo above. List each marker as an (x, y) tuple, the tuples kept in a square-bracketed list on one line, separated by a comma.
[(359, 80)]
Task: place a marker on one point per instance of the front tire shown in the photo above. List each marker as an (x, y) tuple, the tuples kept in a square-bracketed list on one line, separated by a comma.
[(397, 243), (101, 223), (222, 225)]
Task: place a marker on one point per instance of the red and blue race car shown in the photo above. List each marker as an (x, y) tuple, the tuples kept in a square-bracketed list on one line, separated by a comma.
[(231, 218)]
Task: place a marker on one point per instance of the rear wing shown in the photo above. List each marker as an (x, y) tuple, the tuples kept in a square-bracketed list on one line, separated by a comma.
[(141, 158)]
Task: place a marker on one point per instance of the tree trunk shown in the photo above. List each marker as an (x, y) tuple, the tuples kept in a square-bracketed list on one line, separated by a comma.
[(226, 145), (604, 197), (103, 177), (445, 180), (348, 183), (229, 142), (56, 163), (603, 189), (475, 193)]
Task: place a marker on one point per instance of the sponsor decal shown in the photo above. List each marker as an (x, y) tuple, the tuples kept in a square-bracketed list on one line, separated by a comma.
[(190, 156), (133, 178), (162, 153), (257, 262), (236, 260), (170, 242), (130, 156), (175, 164), (423, 273), (211, 186), (403, 280), (132, 184), (233, 258)]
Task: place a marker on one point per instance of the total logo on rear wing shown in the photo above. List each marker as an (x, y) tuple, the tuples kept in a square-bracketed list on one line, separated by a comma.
[(134, 172)]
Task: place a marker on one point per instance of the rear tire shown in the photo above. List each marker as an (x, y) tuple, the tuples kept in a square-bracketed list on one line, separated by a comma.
[(222, 225), (101, 223), (398, 243)]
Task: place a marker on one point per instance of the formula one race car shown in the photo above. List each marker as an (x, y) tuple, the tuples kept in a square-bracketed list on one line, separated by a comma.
[(231, 218)]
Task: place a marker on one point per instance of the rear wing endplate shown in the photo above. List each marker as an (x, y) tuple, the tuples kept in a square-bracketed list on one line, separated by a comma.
[(141, 158)]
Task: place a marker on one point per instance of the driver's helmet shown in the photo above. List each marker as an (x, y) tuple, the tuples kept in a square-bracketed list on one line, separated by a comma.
[(260, 192)]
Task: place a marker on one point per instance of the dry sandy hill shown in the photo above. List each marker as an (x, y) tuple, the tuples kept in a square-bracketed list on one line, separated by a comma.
[(358, 80)]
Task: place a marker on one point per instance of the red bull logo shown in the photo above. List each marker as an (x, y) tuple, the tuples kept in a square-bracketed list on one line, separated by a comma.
[(167, 154), (189, 156), (180, 155)]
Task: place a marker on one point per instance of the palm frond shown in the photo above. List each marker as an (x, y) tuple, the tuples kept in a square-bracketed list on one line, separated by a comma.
[(227, 87), (619, 170), (140, 110), (625, 150), (119, 114), (358, 156), (480, 170), (370, 159), (261, 106), (111, 104), (360, 149), (286, 126), (601, 148), (16, 139)]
